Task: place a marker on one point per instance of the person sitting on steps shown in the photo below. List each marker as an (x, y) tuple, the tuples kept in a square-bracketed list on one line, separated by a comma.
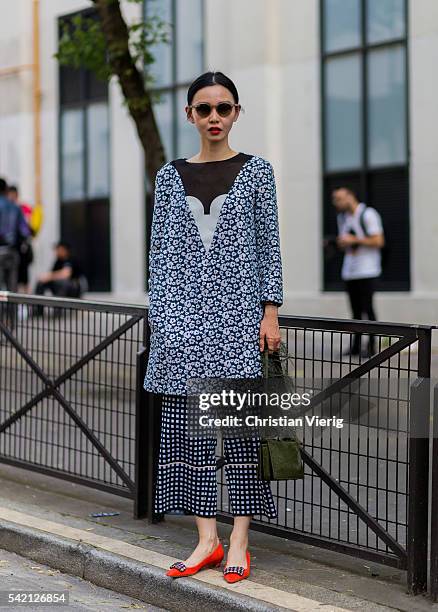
[(65, 279)]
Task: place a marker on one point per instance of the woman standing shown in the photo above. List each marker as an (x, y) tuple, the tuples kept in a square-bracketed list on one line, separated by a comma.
[(215, 287)]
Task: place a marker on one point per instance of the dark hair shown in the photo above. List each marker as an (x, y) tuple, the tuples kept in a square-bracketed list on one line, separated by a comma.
[(212, 78), (13, 188), (64, 244), (3, 185), (349, 189)]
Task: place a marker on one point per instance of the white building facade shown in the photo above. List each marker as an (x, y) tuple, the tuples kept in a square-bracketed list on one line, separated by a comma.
[(334, 92)]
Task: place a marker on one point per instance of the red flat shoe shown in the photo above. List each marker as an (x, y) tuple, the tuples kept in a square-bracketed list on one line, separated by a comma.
[(234, 573), (179, 569)]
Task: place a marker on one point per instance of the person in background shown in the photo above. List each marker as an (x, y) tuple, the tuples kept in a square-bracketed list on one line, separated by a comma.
[(64, 280), (26, 209), (360, 236), (13, 230), (25, 250)]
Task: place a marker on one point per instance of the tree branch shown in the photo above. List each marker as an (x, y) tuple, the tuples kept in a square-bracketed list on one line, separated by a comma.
[(132, 83)]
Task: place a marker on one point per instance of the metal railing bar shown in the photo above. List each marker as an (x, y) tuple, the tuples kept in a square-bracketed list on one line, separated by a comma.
[(97, 349), (61, 379), (56, 473), (94, 440), (52, 390), (356, 373), (354, 505), (364, 326), (72, 303)]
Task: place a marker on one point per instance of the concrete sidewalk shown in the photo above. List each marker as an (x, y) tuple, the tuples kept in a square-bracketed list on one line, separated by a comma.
[(48, 520)]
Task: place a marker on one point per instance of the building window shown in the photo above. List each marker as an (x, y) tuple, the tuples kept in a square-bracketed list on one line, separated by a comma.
[(72, 154), (84, 146), (176, 65), (97, 121), (365, 122)]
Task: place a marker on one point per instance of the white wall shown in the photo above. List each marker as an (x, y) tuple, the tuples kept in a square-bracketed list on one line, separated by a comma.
[(423, 52), (49, 13), (128, 257), (16, 96)]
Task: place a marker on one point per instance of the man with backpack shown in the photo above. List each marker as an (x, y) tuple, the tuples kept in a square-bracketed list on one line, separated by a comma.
[(13, 229), (361, 237)]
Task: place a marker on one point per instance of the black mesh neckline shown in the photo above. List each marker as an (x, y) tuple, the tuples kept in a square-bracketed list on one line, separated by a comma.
[(213, 161), (206, 181)]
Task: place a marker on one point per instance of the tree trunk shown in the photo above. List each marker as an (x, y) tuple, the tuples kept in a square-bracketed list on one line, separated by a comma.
[(132, 84)]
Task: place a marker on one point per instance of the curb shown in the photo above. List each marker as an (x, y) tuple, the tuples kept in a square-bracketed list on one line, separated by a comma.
[(128, 577)]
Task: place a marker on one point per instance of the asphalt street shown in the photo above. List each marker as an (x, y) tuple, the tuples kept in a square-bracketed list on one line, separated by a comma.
[(21, 576)]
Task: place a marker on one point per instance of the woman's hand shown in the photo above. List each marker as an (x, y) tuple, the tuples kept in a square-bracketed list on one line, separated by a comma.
[(269, 329)]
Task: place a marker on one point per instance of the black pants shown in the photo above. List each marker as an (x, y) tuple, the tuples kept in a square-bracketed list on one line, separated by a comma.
[(360, 291), (59, 288), (9, 261)]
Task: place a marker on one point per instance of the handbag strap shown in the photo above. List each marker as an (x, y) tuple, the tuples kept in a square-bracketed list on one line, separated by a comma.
[(295, 437)]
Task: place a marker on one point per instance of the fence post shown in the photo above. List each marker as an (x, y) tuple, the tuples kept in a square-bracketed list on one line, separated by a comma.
[(153, 447), (147, 438), (419, 426), (434, 504), (141, 420)]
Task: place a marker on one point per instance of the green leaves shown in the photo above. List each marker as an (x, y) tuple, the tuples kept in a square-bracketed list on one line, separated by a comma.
[(144, 35), (82, 44)]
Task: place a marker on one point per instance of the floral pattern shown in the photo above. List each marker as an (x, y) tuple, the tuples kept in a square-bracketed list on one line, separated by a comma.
[(205, 307)]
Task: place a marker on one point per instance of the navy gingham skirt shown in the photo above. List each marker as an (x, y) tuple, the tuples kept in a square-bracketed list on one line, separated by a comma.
[(187, 480)]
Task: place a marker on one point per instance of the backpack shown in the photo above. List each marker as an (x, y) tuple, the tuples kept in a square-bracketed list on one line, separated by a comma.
[(385, 250)]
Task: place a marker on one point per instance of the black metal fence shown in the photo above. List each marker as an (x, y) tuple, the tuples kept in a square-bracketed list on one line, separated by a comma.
[(365, 489), (366, 486), (72, 406), (68, 389)]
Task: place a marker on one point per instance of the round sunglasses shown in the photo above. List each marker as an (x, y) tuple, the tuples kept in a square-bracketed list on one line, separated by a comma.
[(223, 109)]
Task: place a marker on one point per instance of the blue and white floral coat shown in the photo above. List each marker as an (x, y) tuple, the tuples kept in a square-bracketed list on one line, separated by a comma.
[(205, 302)]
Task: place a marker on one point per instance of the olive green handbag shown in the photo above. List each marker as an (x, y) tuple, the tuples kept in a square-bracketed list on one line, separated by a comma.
[(279, 458)]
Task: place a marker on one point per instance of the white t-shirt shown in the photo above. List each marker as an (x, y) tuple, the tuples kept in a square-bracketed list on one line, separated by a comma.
[(362, 261)]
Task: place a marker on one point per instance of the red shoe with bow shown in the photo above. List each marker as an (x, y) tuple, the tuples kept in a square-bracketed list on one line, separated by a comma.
[(234, 573), (179, 569)]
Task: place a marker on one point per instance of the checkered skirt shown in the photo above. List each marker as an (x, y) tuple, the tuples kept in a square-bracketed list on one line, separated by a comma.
[(187, 478)]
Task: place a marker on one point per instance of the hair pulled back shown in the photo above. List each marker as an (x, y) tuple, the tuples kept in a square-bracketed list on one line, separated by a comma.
[(212, 78)]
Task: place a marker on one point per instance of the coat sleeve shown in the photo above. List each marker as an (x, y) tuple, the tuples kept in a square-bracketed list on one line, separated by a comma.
[(161, 197), (268, 237)]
